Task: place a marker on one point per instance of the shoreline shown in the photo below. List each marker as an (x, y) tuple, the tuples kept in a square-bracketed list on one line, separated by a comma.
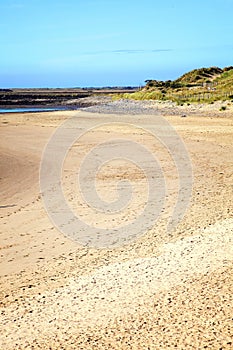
[(105, 104), (124, 106)]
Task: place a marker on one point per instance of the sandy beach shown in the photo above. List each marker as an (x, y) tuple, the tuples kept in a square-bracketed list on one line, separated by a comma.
[(154, 291)]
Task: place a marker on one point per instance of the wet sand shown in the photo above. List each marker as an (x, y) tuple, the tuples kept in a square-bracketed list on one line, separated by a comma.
[(159, 291)]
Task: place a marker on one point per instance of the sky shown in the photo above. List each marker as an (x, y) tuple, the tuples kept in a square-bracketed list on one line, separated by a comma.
[(91, 43)]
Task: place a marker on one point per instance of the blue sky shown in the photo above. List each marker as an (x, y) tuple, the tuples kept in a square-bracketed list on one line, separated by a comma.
[(68, 43)]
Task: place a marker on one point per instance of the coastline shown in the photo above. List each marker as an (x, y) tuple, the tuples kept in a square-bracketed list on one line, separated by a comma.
[(153, 292), (108, 104)]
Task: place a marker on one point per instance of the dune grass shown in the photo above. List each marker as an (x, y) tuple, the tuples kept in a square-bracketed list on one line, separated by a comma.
[(201, 85)]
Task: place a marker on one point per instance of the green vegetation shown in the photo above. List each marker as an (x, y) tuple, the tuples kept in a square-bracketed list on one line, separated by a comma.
[(199, 85)]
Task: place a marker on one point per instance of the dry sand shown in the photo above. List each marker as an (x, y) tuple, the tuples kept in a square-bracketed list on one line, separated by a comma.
[(158, 292)]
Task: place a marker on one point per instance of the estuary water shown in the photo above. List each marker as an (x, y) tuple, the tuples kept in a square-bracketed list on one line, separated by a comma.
[(31, 109)]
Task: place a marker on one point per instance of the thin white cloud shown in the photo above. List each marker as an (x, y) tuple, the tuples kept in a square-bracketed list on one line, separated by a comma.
[(125, 51), (82, 56)]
